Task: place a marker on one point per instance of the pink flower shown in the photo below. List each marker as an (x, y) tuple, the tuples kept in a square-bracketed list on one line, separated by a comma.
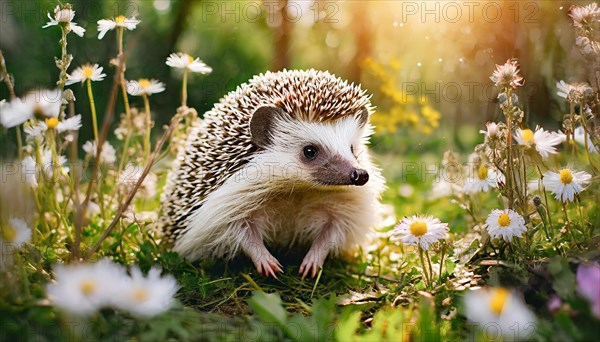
[(554, 303), (588, 283)]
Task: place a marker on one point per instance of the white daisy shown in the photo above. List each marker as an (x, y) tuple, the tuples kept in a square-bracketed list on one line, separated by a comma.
[(542, 140), (64, 16), (16, 232), (500, 310), (108, 154), (505, 223), (566, 183), (182, 60), (81, 289), (485, 179), (492, 131), (43, 103), (580, 138), (582, 15), (573, 92), (147, 296), (85, 72), (420, 230), (105, 25), (507, 75), (144, 86), (36, 130)]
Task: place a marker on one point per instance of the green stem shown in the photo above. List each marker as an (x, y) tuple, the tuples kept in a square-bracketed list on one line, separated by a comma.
[(424, 265), (148, 127), (442, 261), (93, 109), (184, 89), (430, 267)]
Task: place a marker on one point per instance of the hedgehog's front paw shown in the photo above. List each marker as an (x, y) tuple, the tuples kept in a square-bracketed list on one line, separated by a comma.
[(267, 265), (313, 260)]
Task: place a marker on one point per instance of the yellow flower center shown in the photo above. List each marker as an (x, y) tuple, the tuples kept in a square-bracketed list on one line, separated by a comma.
[(566, 177), (88, 71), (120, 19), (503, 220), (498, 300), (144, 83), (9, 234), (140, 295), (482, 172), (527, 136), (190, 59), (87, 287), (418, 228), (51, 122)]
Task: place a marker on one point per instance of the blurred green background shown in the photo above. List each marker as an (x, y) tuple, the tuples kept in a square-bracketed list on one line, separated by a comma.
[(426, 62)]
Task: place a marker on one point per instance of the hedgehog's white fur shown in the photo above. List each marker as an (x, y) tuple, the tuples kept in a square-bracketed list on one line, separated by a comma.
[(270, 188), (262, 189)]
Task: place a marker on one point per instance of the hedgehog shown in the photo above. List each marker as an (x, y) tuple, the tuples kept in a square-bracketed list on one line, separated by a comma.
[(282, 161)]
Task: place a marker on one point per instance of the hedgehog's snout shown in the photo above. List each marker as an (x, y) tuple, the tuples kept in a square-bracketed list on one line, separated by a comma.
[(359, 177)]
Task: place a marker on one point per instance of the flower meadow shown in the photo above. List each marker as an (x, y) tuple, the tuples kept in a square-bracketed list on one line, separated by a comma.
[(514, 253)]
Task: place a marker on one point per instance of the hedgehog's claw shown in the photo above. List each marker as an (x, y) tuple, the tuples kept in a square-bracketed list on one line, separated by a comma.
[(312, 262), (268, 266)]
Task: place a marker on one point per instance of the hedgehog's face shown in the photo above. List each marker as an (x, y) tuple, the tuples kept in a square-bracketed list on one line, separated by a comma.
[(320, 154)]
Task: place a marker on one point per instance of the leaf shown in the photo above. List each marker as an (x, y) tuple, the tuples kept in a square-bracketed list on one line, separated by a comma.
[(268, 307), (348, 325)]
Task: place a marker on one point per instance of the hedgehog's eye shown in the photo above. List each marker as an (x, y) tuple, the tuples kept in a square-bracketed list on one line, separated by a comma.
[(352, 149), (310, 152)]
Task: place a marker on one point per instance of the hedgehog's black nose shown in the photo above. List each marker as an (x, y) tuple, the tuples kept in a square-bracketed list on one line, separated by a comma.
[(359, 177)]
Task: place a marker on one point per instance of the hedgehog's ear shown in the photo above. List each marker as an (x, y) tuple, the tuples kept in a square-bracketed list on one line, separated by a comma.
[(261, 124), (362, 116)]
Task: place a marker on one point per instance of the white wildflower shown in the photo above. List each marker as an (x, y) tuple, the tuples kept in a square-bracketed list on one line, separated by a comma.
[(583, 15), (16, 232), (107, 156), (105, 25), (492, 131), (507, 75), (485, 179), (543, 141), (502, 309), (144, 86), (505, 223), (147, 296), (38, 104), (37, 129), (566, 183), (420, 230), (64, 16), (573, 92), (81, 289), (182, 60), (84, 73)]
